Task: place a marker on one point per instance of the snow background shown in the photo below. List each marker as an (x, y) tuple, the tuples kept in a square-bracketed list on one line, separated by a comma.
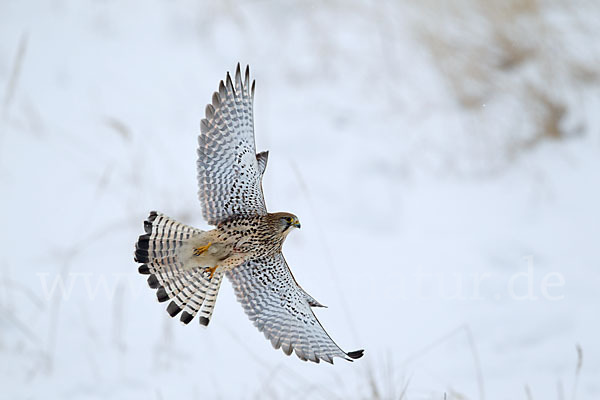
[(425, 147)]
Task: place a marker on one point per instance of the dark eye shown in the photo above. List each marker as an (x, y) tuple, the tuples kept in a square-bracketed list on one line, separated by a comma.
[(288, 219)]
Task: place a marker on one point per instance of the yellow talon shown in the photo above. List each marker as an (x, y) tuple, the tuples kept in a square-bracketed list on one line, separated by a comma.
[(202, 249), (212, 271)]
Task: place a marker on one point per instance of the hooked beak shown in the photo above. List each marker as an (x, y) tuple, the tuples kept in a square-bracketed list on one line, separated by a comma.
[(296, 223)]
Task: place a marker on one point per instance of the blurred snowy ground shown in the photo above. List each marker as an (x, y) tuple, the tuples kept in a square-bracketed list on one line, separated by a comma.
[(443, 159)]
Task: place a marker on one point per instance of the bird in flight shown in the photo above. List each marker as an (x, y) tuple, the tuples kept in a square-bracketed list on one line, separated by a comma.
[(186, 265)]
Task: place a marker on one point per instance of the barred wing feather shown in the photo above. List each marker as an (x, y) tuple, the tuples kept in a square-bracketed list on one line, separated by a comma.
[(229, 170), (280, 309)]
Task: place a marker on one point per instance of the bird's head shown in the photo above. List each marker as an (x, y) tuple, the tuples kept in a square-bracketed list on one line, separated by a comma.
[(287, 222)]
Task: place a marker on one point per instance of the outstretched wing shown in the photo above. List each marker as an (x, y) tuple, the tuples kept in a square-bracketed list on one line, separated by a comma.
[(229, 171), (279, 308)]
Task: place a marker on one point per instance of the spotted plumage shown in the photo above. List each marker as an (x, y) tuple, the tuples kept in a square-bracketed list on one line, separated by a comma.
[(187, 265)]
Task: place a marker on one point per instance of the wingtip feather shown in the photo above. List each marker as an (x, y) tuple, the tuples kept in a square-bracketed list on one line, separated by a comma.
[(238, 75), (204, 127), (287, 348), (209, 111), (230, 84), (222, 90), (356, 354), (216, 99)]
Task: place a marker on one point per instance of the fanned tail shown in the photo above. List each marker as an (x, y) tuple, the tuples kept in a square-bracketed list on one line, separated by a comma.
[(189, 287)]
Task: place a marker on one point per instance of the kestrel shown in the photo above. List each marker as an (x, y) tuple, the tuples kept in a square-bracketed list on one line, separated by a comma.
[(187, 265)]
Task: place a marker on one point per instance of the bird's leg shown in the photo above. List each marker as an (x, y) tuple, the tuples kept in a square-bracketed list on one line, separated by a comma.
[(211, 270), (202, 249)]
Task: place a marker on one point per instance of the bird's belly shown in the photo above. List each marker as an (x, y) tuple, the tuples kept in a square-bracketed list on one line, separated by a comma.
[(202, 252)]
